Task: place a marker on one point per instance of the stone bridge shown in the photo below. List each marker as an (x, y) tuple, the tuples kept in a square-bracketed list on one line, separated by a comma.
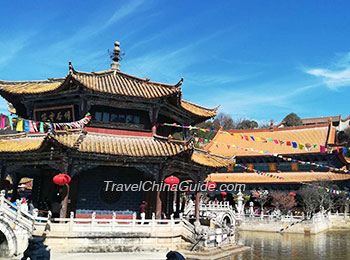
[(15, 228), (221, 213)]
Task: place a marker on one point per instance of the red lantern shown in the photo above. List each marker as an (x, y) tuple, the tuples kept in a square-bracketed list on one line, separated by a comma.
[(61, 179), (172, 180), (292, 194), (223, 193)]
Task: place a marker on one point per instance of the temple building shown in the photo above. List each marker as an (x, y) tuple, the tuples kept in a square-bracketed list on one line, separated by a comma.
[(253, 146), (121, 143)]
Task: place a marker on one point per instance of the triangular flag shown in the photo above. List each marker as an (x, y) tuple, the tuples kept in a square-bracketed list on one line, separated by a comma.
[(2, 123), (26, 126), (19, 126), (11, 122), (41, 127)]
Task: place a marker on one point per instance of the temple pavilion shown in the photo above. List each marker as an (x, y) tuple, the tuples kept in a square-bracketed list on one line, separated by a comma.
[(120, 144), (293, 164)]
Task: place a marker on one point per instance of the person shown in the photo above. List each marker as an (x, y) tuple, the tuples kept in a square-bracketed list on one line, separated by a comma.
[(24, 205), (174, 255), (143, 208), (31, 206), (256, 211), (36, 250)]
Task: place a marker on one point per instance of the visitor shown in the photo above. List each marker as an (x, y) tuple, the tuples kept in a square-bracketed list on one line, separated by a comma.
[(36, 250), (143, 209), (31, 207), (24, 205), (256, 211), (173, 255)]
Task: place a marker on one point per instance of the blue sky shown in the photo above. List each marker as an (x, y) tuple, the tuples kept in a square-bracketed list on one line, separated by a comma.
[(257, 59)]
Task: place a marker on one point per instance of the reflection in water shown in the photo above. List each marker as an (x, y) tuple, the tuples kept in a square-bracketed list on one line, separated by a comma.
[(331, 245)]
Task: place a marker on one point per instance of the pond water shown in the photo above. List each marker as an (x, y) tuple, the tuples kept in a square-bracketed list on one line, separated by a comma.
[(330, 245)]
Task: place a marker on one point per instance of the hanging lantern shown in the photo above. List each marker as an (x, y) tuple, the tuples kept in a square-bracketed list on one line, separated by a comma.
[(172, 180), (61, 179), (292, 194), (223, 193)]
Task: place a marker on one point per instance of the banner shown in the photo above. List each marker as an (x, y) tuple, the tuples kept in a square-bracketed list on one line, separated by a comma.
[(290, 143), (276, 176), (289, 159), (20, 124)]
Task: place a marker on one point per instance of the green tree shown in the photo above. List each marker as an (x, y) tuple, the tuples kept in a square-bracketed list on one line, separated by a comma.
[(292, 119), (247, 124)]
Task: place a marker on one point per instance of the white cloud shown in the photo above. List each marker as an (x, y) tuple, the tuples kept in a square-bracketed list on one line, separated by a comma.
[(335, 77), (123, 12), (9, 48)]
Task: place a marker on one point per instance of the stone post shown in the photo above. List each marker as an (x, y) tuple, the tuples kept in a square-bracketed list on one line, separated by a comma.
[(2, 200), (240, 203), (134, 222), (71, 221), (113, 220), (153, 222)]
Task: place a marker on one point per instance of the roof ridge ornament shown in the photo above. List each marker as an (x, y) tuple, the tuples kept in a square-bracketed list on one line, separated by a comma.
[(70, 66), (116, 56)]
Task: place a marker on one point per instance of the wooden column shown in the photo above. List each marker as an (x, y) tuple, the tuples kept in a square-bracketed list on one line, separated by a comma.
[(65, 190), (2, 177), (196, 206), (64, 202), (158, 199), (177, 213), (15, 190)]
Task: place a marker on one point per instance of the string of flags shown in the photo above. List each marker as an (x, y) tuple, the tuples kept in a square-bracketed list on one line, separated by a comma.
[(26, 125), (292, 144), (275, 176), (287, 159)]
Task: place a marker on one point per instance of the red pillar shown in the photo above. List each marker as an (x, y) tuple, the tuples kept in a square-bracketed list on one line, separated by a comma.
[(64, 203), (158, 199), (196, 207)]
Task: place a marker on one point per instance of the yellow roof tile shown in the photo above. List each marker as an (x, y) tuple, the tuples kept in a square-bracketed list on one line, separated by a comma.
[(290, 177), (210, 160), (319, 135), (20, 143), (198, 110)]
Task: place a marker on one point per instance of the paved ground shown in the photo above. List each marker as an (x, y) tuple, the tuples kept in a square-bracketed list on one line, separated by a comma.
[(105, 256), (110, 256)]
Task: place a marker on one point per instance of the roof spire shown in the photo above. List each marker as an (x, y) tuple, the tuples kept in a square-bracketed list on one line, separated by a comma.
[(116, 56)]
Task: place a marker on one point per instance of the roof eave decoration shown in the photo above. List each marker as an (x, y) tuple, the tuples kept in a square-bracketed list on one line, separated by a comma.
[(206, 159), (104, 82), (197, 110)]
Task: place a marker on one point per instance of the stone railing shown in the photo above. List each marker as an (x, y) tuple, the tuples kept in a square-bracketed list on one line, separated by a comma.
[(14, 214), (93, 224)]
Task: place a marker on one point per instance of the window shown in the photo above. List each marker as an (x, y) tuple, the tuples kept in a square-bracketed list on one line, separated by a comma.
[(105, 117), (136, 120), (272, 167), (129, 119), (121, 118), (295, 166), (98, 116), (114, 118)]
